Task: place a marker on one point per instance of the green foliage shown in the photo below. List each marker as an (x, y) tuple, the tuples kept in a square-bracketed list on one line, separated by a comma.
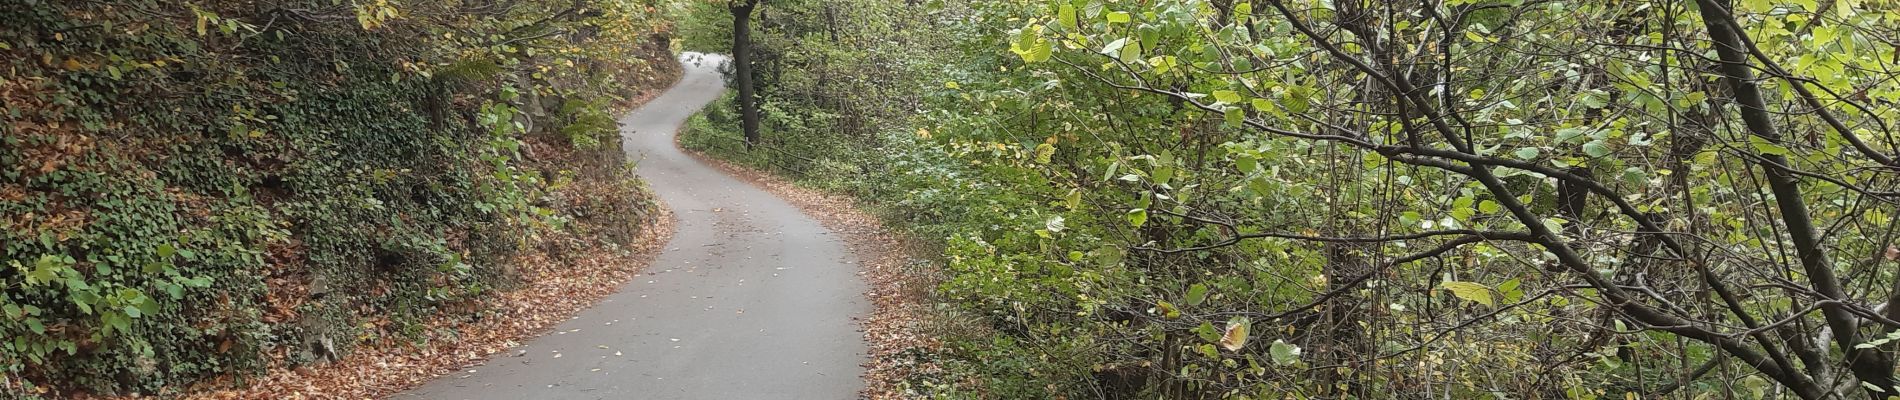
[(199, 190), (704, 26), (1116, 184)]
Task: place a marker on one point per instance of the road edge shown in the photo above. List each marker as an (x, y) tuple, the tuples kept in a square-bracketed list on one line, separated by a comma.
[(891, 265)]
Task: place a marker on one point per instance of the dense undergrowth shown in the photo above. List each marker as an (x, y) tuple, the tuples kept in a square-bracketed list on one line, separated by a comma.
[(213, 189), (1361, 199)]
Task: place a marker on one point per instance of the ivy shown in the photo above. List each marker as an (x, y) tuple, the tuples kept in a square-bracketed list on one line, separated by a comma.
[(202, 190)]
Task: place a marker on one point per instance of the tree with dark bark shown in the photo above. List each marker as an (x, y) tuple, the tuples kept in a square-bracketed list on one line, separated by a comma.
[(742, 67)]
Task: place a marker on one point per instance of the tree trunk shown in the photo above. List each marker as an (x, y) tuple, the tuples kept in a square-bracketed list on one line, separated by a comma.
[(1872, 367), (742, 67)]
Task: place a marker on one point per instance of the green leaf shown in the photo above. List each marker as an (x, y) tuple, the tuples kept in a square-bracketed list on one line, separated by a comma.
[(198, 282), (1765, 147), (1565, 135), (1596, 148), (84, 300), (1162, 175), (1472, 291), (1593, 99), (117, 321), (1044, 152), (1528, 153), (1066, 14), (1246, 164), (1162, 64), (1296, 99), (39, 275), (1041, 52), (1284, 353), (1138, 217), (1114, 47), (1196, 294), (1118, 17), (1130, 53), (1207, 331), (1510, 290)]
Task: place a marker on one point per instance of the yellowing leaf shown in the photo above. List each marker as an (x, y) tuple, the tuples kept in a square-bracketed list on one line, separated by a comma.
[(1473, 291), (1167, 310), (1227, 96), (1235, 336), (1766, 147), (1262, 104)]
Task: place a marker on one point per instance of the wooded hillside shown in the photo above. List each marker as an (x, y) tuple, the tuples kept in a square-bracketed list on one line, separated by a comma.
[(192, 193)]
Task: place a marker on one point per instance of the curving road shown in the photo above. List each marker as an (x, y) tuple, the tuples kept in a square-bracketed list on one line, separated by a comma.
[(751, 299)]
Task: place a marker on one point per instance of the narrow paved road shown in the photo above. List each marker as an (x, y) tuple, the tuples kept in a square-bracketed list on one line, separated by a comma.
[(751, 300)]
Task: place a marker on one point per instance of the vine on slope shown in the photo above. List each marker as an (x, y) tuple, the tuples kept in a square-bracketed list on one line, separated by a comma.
[(201, 189)]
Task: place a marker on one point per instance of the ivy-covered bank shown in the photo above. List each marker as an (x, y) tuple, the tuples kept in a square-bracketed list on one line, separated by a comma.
[(208, 189)]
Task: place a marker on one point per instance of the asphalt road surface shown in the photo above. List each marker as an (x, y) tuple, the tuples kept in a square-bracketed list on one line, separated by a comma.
[(751, 299)]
